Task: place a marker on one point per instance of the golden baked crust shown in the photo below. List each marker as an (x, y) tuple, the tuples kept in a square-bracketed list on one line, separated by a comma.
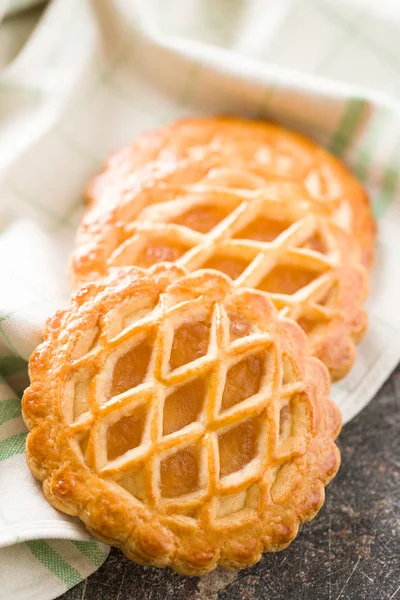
[(180, 419), (184, 151), (216, 211)]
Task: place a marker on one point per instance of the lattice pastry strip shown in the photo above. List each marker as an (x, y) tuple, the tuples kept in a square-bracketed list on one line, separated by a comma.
[(219, 153), (306, 265), (201, 422)]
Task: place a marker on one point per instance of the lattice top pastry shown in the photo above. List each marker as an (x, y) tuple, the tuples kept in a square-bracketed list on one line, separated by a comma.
[(267, 235), (187, 150), (180, 419)]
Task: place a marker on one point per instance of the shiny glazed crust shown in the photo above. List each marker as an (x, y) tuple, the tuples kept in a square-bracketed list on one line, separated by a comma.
[(282, 487), (250, 170), (184, 151)]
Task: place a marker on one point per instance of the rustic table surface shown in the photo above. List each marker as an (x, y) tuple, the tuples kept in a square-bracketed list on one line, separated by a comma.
[(351, 551)]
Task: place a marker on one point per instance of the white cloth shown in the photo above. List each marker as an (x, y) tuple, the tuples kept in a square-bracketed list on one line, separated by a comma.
[(91, 77)]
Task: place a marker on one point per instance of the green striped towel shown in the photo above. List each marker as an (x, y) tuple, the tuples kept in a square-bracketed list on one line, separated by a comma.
[(92, 76), (11, 7)]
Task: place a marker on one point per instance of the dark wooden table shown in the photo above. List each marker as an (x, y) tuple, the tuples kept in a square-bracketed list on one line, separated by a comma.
[(351, 551)]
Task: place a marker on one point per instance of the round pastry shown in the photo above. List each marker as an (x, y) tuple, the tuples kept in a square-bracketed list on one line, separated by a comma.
[(181, 419), (184, 152), (268, 236)]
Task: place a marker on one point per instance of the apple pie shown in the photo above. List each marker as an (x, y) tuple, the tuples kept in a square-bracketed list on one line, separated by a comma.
[(203, 197), (180, 418)]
